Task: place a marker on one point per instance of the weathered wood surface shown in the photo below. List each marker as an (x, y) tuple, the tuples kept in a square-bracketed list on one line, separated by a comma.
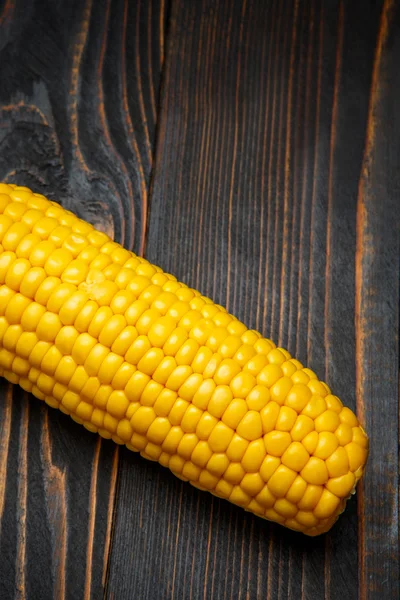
[(79, 87), (266, 174)]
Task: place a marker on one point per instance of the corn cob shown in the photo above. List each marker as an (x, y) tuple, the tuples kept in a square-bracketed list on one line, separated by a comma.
[(136, 356)]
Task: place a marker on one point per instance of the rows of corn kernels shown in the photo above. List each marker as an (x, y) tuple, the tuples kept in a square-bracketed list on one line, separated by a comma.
[(138, 357)]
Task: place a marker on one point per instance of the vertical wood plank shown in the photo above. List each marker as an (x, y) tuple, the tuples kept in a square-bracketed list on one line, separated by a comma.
[(377, 318), (254, 201), (79, 86)]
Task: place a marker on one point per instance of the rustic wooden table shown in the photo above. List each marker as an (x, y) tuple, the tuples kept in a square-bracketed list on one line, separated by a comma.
[(252, 149)]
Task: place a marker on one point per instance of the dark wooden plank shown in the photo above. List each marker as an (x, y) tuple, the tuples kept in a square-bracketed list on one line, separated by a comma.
[(266, 117), (79, 85), (377, 318)]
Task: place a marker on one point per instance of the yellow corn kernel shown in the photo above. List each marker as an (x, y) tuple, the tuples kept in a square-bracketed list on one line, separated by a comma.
[(300, 377), (124, 340), (281, 388), (150, 361), (341, 486), (82, 347), (110, 423), (234, 413), (201, 454), (187, 445), (158, 430), (269, 375), (191, 472), (135, 386), (220, 437), (151, 452), (189, 388), (285, 508), (72, 307), (41, 253), (265, 498), (250, 427), (15, 210), (327, 444), (65, 369), (333, 403), (165, 402), (37, 354), (252, 484), (84, 411), (205, 426), (178, 377), (276, 442), (150, 392), (16, 273), (286, 419), (138, 349), (117, 404), (298, 397), (48, 327), (223, 489), (315, 407), (327, 505), (230, 345), (121, 302), (237, 448), (95, 358), (269, 415), (306, 518), (189, 416), (102, 395), (315, 471), (310, 442), (348, 417), (302, 427), (178, 411), (280, 482), (90, 388), (226, 371), (258, 398), (142, 419), (295, 457), (328, 421), (16, 309), (85, 316), (25, 344), (172, 440), (124, 430), (60, 294), (187, 352), (256, 364), (212, 367), (269, 466), (51, 360), (254, 456), (296, 490), (234, 473), (219, 400), (11, 337), (201, 330), (203, 395), (160, 330)]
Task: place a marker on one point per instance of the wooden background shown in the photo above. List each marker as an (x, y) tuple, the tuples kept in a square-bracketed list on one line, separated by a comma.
[(251, 148)]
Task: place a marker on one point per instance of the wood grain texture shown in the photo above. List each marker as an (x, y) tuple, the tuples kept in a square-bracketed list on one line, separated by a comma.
[(275, 190), (79, 87), (265, 164)]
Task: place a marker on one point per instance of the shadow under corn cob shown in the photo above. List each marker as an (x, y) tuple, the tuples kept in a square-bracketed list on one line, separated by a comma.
[(135, 355)]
